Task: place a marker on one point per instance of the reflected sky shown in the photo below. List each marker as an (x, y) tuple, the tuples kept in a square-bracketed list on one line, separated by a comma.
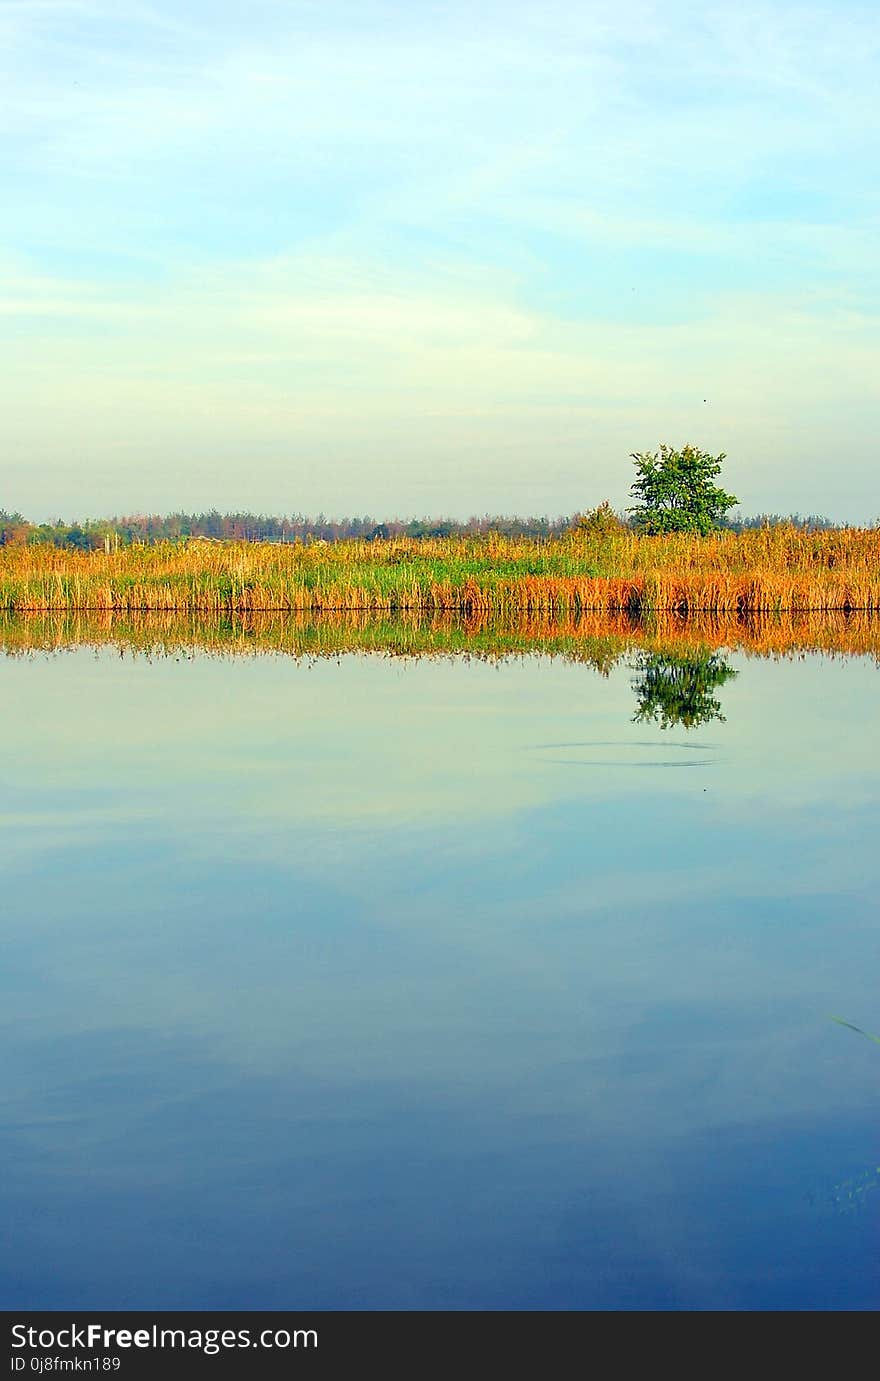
[(380, 984)]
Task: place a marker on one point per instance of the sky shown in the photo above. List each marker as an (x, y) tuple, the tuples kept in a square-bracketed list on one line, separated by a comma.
[(364, 257)]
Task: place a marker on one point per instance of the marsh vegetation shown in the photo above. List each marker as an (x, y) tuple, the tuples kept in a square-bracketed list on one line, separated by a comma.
[(591, 569)]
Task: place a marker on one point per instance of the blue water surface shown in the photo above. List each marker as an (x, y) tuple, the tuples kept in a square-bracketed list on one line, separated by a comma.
[(375, 984)]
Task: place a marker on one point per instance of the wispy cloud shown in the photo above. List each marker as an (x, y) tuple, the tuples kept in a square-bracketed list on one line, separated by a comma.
[(459, 239)]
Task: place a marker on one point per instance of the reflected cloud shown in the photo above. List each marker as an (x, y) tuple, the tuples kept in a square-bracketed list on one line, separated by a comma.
[(339, 949)]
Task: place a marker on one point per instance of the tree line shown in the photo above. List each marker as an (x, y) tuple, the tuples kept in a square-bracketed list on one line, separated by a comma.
[(93, 534)]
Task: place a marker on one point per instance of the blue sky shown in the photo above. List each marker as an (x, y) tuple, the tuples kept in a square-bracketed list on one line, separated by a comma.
[(405, 258)]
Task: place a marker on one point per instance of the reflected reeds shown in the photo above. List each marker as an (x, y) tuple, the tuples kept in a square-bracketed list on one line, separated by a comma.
[(598, 639)]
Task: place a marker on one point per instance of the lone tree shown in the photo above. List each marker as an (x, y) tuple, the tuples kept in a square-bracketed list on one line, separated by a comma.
[(676, 492)]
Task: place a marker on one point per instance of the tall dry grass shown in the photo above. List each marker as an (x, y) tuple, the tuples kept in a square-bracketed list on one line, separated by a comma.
[(772, 569)]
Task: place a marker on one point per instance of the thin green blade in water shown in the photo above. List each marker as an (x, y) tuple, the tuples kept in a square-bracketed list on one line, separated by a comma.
[(867, 1034)]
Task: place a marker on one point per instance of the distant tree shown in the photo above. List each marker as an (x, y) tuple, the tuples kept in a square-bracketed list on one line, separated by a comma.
[(14, 529), (600, 521), (76, 537), (676, 493)]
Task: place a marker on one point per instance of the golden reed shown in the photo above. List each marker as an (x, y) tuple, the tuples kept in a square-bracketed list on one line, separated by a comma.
[(769, 569)]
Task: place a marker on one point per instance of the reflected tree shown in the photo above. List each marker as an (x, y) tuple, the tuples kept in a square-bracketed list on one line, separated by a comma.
[(673, 690)]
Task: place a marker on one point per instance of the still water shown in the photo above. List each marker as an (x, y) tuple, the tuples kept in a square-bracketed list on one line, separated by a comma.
[(380, 984)]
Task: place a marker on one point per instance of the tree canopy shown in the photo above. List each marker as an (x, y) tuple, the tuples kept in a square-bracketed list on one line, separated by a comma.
[(676, 491)]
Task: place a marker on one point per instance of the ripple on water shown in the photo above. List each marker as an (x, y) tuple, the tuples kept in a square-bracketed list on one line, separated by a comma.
[(633, 749)]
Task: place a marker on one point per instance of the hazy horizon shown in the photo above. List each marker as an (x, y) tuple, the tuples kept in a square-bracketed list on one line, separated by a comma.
[(435, 259), (737, 515)]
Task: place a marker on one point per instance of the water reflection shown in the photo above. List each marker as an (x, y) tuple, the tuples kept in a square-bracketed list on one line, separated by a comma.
[(600, 640), (681, 662), (320, 988), (674, 691)]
